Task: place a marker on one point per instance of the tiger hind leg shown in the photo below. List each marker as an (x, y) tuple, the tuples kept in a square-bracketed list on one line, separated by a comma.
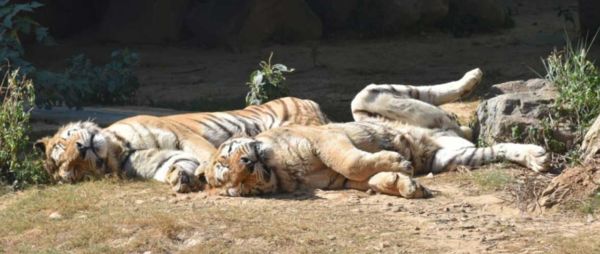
[(531, 156), (339, 154), (433, 94)]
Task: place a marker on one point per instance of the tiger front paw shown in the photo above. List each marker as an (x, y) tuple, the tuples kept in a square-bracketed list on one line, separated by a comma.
[(182, 181)]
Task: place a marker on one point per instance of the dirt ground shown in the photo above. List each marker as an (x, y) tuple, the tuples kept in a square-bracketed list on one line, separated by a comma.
[(471, 212)]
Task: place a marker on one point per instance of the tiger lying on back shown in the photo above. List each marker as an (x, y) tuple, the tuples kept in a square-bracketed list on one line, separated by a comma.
[(378, 152), (168, 149)]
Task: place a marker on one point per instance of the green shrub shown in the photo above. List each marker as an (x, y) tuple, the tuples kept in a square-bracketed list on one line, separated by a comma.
[(578, 83), (82, 83), (267, 83), (17, 165), (577, 80)]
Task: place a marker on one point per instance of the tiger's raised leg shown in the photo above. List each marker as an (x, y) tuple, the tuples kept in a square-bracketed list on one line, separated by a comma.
[(391, 183), (450, 155), (341, 155), (415, 105)]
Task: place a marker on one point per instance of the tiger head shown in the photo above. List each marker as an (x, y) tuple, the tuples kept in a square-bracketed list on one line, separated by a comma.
[(238, 169), (77, 151)]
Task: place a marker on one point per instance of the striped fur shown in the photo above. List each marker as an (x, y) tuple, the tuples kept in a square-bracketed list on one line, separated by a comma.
[(169, 149), (378, 155), (396, 124)]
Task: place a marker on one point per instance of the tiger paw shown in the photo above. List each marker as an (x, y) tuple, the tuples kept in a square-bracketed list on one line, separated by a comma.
[(536, 158), (470, 80), (181, 181), (398, 185)]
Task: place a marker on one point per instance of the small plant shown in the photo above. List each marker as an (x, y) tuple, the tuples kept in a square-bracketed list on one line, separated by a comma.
[(17, 165), (578, 83), (267, 83)]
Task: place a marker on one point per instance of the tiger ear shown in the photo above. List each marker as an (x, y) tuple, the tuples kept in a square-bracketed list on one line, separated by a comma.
[(41, 144)]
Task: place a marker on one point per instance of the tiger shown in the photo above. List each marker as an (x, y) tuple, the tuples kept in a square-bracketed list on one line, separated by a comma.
[(172, 149), (381, 151)]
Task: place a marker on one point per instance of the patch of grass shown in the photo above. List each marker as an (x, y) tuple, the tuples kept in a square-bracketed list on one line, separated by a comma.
[(583, 243), (492, 179)]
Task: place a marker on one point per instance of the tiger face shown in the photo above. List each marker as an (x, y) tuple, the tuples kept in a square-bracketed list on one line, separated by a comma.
[(77, 151), (238, 169)]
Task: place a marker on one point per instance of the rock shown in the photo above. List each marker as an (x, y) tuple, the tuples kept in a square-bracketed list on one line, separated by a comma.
[(240, 23), (588, 16), (516, 114), (430, 175), (335, 14), (139, 202), (577, 183), (69, 17), (478, 15), (590, 147), (142, 21), (55, 216), (396, 15)]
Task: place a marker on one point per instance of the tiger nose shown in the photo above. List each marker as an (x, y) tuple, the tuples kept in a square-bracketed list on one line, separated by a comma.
[(81, 148)]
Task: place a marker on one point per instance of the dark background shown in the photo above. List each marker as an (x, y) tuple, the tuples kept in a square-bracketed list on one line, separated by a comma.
[(197, 54)]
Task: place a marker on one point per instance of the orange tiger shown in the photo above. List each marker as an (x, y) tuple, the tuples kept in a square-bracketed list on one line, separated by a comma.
[(172, 149)]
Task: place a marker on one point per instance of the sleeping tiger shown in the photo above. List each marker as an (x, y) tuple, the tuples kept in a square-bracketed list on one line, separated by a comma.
[(377, 152), (168, 149)]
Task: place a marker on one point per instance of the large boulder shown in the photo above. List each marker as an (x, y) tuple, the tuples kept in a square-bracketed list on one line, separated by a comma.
[(143, 21), (588, 16), (516, 114), (468, 16), (68, 17), (590, 147), (242, 23), (378, 15)]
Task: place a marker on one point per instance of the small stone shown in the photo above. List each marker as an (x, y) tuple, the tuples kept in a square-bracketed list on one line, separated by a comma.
[(590, 218), (139, 202), (371, 192), (397, 209), (147, 252), (390, 204), (55, 216), (383, 245), (331, 237), (447, 209), (430, 175), (417, 228)]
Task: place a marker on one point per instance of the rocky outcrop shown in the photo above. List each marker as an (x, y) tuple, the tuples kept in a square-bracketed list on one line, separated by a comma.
[(143, 21), (588, 16), (239, 22), (519, 111), (590, 148), (574, 184)]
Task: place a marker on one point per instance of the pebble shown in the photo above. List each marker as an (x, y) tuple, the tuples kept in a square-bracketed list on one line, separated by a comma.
[(331, 237), (590, 218), (397, 209), (55, 216), (383, 245), (430, 175), (139, 202)]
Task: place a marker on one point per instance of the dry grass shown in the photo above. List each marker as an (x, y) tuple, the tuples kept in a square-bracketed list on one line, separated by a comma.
[(585, 243), (125, 217), (134, 217)]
